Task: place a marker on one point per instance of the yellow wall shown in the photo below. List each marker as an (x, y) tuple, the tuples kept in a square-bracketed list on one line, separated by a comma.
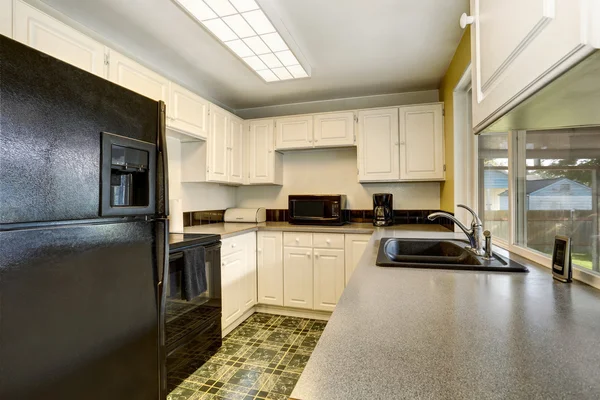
[(460, 62)]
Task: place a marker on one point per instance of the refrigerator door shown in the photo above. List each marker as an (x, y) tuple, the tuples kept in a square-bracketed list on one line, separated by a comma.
[(78, 312)]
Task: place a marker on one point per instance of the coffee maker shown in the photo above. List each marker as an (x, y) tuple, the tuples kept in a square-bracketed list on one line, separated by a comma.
[(383, 209)]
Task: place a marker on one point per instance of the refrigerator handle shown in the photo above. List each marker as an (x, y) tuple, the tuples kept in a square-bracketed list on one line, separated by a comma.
[(163, 163), (162, 260)]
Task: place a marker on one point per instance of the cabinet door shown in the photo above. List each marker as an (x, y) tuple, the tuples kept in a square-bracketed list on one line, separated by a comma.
[(298, 277), (294, 132), (248, 299), (44, 33), (236, 151), (188, 113), (270, 268), (232, 272), (378, 145), (261, 158), (218, 162), (6, 18), (334, 130), (128, 73), (329, 278), (545, 38), (422, 142), (355, 245)]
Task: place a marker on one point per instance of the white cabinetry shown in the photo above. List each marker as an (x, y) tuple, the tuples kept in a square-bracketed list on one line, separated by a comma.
[(187, 112), (248, 294), (355, 245), (378, 145), (294, 132), (236, 152), (270, 268), (334, 130), (298, 277), (133, 76), (328, 271), (422, 142), (264, 163), (44, 33), (217, 145), (6, 18), (544, 39)]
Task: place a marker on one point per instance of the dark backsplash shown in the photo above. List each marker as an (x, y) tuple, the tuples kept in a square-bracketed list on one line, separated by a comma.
[(281, 215)]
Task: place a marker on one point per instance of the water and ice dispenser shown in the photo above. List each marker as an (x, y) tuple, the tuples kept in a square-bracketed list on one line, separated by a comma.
[(128, 176)]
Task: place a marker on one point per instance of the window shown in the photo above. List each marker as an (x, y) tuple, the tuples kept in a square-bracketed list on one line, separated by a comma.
[(493, 183), (557, 176)]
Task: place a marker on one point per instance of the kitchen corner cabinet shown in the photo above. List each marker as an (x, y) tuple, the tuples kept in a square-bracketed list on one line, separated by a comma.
[(187, 112), (133, 76), (355, 246), (264, 165), (378, 153), (334, 129), (294, 132), (545, 38), (44, 33), (422, 142), (270, 268)]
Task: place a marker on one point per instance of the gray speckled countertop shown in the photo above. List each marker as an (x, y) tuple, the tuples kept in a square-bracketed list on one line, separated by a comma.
[(401, 333)]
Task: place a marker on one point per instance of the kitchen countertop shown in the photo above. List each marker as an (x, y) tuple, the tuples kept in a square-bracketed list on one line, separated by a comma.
[(403, 333)]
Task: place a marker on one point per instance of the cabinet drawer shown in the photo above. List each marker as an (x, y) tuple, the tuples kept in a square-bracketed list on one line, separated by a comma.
[(297, 239), (328, 240), (231, 245)]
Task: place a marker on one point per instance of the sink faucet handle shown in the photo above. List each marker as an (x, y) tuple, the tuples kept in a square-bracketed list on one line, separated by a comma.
[(476, 220)]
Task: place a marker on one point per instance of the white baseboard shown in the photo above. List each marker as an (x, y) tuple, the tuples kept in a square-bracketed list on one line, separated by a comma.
[(226, 330), (293, 312)]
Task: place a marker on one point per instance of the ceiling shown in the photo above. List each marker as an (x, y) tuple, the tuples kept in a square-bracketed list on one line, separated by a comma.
[(354, 47)]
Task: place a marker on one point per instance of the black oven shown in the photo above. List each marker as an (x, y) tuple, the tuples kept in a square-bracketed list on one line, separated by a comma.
[(317, 209)]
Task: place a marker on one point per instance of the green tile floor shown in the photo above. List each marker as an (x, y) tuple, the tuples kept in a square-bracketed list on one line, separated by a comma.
[(260, 359)]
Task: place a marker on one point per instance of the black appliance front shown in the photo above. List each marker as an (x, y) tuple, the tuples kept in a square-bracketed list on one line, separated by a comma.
[(316, 209)]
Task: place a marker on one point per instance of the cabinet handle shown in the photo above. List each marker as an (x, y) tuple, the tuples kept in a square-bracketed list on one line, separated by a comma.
[(297, 239), (308, 255), (402, 143), (328, 241), (233, 244), (222, 264), (260, 250), (466, 20), (316, 255)]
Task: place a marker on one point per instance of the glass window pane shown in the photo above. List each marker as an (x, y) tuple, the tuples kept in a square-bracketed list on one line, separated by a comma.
[(493, 183), (557, 191)]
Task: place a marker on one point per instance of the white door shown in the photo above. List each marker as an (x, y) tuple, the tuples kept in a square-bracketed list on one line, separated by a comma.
[(334, 130), (44, 33), (218, 162), (378, 150), (298, 277), (294, 132), (270, 268), (422, 142), (261, 157), (133, 76), (232, 271), (248, 299), (236, 151), (355, 245), (518, 46), (329, 278), (187, 112)]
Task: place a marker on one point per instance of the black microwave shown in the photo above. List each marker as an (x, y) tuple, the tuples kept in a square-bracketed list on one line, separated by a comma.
[(317, 209)]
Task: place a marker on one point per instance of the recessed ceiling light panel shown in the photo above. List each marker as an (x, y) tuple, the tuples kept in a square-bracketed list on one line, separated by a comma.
[(243, 27)]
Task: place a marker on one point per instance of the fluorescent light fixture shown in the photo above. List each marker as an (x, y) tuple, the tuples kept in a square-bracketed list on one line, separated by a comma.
[(243, 27)]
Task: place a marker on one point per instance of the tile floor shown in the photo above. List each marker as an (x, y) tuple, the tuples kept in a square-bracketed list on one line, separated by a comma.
[(260, 359)]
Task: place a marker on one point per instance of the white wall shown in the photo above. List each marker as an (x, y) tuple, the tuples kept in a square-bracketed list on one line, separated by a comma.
[(333, 171)]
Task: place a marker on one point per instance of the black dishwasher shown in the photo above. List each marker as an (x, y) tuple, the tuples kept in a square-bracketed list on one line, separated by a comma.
[(192, 328)]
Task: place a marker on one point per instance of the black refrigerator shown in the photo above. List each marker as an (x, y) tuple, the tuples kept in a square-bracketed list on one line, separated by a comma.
[(83, 233)]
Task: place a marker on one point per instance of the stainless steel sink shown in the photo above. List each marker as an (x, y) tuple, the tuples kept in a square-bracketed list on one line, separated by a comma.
[(439, 254)]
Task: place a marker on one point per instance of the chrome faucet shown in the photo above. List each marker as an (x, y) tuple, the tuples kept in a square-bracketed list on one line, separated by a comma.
[(475, 234)]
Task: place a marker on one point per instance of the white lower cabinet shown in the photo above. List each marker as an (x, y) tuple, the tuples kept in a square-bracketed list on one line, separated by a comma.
[(355, 245), (298, 277), (328, 278), (248, 293), (269, 258)]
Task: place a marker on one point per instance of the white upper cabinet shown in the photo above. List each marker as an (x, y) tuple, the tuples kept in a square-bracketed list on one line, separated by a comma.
[(133, 76), (519, 46), (264, 163), (422, 142), (187, 112), (44, 33), (6, 18), (334, 130), (270, 268), (378, 145), (294, 132), (235, 148), (218, 145)]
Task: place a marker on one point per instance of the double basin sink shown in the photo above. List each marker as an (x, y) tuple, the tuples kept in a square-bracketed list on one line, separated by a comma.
[(439, 254)]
